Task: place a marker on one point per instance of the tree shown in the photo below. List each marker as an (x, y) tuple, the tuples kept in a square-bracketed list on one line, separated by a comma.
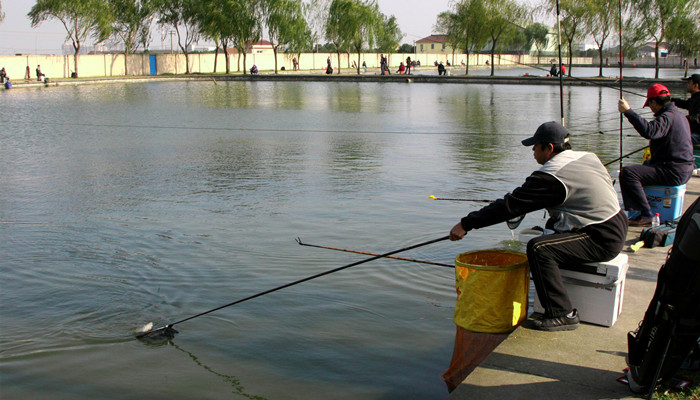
[(500, 17), (335, 25), (600, 17), (653, 16), (362, 27), (80, 18), (184, 17), (465, 25), (573, 12), (284, 21), (388, 35), (684, 37), (538, 35), (246, 29), (406, 48), (449, 24), (130, 24)]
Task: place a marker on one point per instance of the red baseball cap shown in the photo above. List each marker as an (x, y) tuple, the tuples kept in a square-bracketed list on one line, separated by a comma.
[(656, 90)]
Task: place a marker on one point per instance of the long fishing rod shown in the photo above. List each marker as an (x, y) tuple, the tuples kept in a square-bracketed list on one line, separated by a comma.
[(474, 200), (168, 331), (561, 74), (625, 156), (619, 3), (374, 254)]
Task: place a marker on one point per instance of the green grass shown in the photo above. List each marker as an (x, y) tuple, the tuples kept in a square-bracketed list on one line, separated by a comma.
[(690, 393)]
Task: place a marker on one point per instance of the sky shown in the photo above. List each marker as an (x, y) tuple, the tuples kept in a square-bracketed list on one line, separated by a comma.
[(416, 19)]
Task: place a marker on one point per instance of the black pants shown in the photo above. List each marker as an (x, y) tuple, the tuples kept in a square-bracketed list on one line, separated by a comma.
[(547, 253), (635, 177)]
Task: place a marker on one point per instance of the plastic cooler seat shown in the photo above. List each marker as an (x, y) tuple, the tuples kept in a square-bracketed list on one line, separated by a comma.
[(666, 200)]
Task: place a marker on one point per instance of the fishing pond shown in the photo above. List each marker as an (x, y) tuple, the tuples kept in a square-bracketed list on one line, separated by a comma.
[(124, 204)]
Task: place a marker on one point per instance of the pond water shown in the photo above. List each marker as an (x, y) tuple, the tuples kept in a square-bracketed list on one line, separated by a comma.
[(577, 72), (128, 203)]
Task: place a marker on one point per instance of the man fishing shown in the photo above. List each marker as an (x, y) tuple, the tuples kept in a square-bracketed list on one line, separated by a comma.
[(671, 148), (586, 217), (692, 105)]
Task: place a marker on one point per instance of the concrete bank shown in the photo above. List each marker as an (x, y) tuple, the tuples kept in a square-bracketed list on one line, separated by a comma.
[(372, 76), (580, 364)]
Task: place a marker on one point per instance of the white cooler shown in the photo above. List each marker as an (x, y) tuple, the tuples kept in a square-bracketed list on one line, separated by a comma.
[(595, 289)]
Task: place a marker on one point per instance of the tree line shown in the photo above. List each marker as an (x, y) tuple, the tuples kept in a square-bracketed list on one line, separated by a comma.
[(471, 25), (354, 26), (293, 26)]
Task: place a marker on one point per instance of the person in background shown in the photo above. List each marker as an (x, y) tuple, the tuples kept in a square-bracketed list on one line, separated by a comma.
[(693, 106), (588, 223), (254, 69), (39, 75), (409, 64), (553, 70), (563, 70), (27, 74), (402, 68), (671, 148), (441, 69), (3, 75)]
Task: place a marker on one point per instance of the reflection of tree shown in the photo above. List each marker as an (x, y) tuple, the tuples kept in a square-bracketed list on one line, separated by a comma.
[(235, 383), (480, 145), (288, 95), (345, 98), (228, 95), (353, 161)]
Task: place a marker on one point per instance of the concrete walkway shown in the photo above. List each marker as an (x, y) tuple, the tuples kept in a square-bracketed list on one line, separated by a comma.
[(580, 364)]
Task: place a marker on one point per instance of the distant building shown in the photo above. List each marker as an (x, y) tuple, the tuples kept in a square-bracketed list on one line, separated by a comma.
[(649, 50), (433, 44), (260, 47)]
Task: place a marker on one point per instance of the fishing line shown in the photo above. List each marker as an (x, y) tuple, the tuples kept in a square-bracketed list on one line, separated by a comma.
[(168, 332), (573, 77), (512, 223), (373, 254)]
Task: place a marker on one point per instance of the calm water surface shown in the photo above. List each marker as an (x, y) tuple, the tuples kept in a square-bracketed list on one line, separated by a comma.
[(124, 204)]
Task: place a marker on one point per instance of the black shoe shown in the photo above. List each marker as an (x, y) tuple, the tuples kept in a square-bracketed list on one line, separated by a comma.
[(564, 323), (640, 221)]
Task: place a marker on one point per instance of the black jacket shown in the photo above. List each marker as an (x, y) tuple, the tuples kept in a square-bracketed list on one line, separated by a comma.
[(668, 134), (693, 107), (540, 191)]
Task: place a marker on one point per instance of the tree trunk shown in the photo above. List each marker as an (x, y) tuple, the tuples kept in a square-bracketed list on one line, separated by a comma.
[(126, 61), (76, 46), (467, 73), (216, 56), (338, 52), (274, 50), (227, 60), (600, 54), (571, 55), (656, 62), (245, 66), (493, 53), (358, 62)]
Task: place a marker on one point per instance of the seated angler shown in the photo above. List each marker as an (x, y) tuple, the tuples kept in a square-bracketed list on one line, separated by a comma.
[(671, 162)]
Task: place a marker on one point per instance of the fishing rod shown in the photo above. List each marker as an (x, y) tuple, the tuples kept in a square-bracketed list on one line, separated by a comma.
[(625, 156), (619, 3), (474, 200), (374, 254), (168, 331), (561, 74)]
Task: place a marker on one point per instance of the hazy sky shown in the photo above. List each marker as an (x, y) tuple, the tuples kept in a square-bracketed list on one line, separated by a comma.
[(416, 19)]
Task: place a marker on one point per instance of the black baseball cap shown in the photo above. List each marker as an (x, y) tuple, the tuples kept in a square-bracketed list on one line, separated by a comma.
[(549, 132), (695, 78)]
